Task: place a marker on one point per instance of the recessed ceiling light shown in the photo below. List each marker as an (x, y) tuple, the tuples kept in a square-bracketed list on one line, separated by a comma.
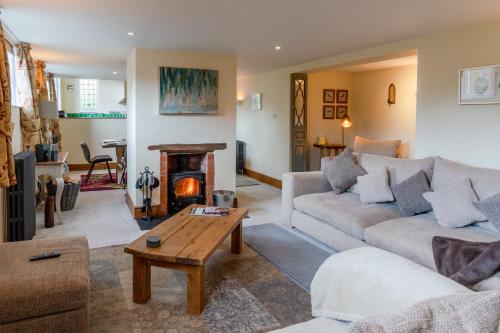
[(131, 33), (115, 72), (277, 47)]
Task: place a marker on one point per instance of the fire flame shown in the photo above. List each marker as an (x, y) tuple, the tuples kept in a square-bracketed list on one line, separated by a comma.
[(187, 187)]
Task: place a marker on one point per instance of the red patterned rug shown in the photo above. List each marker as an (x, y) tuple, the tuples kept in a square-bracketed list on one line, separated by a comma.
[(100, 182)]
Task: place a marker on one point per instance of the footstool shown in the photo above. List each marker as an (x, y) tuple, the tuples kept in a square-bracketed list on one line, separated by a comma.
[(48, 295)]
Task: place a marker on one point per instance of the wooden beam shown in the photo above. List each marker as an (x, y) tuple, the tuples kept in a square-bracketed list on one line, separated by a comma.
[(199, 148), (263, 178), (86, 166)]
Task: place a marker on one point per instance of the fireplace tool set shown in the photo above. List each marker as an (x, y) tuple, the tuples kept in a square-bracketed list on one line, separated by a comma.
[(147, 182)]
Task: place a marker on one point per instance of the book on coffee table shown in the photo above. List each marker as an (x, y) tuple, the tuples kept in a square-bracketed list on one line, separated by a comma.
[(209, 211)]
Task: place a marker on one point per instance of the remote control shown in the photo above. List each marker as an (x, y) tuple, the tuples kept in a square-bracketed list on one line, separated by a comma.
[(45, 256)]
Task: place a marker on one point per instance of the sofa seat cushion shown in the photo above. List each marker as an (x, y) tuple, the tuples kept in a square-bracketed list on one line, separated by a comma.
[(411, 237), (345, 211), (39, 288)]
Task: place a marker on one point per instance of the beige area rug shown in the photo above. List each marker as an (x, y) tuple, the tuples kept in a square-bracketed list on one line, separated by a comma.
[(244, 293)]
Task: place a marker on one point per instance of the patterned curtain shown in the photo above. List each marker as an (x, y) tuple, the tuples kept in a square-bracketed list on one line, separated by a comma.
[(7, 171), (52, 87), (54, 123), (28, 97)]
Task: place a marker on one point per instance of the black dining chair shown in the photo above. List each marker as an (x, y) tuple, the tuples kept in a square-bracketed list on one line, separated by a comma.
[(93, 160)]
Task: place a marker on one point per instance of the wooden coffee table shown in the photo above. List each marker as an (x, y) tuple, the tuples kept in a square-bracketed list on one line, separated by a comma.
[(186, 244)]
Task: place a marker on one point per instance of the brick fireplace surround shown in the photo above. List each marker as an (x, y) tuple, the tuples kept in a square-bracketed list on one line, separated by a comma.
[(167, 151)]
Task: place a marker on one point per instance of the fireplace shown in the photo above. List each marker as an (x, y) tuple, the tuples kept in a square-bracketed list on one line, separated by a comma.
[(185, 188), (187, 174)]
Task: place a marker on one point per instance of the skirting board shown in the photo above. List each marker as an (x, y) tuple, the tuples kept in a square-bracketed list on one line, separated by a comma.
[(263, 178), (86, 166), (136, 210)]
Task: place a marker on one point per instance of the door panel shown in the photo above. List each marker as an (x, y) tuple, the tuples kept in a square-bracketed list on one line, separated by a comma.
[(298, 112)]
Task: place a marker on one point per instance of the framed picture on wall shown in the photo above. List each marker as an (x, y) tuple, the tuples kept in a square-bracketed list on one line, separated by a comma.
[(188, 90), (328, 111), (256, 101), (328, 95), (341, 111), (342, 96), (479, 85)]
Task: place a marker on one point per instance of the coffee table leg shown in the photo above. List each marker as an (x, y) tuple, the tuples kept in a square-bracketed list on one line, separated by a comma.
[(195, 290), (236, 239), (141, 280)]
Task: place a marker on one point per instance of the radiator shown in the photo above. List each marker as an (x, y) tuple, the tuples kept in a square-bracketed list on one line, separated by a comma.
[(21, 205)]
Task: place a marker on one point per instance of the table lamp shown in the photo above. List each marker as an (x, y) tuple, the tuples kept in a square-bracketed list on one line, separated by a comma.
[(345, 123), (48, 110)]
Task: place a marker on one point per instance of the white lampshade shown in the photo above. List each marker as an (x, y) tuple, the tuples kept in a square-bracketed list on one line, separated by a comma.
[(48, 110)]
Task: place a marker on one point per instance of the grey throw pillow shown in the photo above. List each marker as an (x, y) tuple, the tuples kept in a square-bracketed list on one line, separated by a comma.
[(409, 194), (490, 208), (342, 171), (454, 206), (374, 187)]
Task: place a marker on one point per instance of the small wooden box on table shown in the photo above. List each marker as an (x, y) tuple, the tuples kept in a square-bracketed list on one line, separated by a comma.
[(187, 242)]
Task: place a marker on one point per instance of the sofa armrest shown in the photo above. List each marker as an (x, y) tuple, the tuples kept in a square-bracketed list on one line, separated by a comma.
[(368, 281), (300, 183)]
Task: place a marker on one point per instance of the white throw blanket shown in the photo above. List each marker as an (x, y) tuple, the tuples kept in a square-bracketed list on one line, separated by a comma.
[(368, 281)]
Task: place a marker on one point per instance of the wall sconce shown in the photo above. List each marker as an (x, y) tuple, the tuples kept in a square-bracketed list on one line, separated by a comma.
[(240, 101), (391, 96)]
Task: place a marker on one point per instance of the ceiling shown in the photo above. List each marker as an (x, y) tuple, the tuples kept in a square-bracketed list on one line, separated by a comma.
[(89, 38)]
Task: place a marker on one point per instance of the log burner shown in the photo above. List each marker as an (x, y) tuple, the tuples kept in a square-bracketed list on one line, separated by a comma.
[(185, 188)]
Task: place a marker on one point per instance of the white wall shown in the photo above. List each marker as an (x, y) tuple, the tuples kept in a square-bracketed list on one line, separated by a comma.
[(375, 119), (91, 131), (152, 128), (265, 132), (316, 125), (466, 133)]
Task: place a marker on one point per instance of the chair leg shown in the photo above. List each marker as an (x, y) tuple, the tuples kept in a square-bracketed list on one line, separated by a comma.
[(89, 173), (109, 171)]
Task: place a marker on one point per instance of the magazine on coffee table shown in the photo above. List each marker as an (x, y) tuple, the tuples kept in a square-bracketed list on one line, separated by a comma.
[(209, 211)]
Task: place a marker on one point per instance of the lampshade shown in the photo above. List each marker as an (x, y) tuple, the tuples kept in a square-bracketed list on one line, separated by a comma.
[(48, 110), (346, 121)]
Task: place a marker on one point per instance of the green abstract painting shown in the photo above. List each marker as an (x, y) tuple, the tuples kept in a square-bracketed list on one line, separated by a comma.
[(188, 90)]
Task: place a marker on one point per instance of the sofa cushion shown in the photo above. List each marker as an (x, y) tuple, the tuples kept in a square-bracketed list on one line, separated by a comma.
[(490, 207), (399, 169), (383, 148), (342, 171), (375, 187), (409, 194), (39, 288), (454, 206), (411, 237), (345, 211), (486, 182)]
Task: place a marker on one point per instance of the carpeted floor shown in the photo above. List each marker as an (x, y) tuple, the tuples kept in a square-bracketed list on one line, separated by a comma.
[(99, 182), (294, 256), (244, 293), (242, 181)]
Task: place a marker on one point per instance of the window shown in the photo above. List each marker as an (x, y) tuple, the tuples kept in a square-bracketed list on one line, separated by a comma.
[(12, 72), (88, 95)]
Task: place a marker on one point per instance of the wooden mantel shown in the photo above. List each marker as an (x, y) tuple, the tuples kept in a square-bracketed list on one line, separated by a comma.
[(198, 148)]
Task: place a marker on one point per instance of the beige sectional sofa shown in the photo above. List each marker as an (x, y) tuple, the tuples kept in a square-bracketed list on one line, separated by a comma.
[(343, 222)]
